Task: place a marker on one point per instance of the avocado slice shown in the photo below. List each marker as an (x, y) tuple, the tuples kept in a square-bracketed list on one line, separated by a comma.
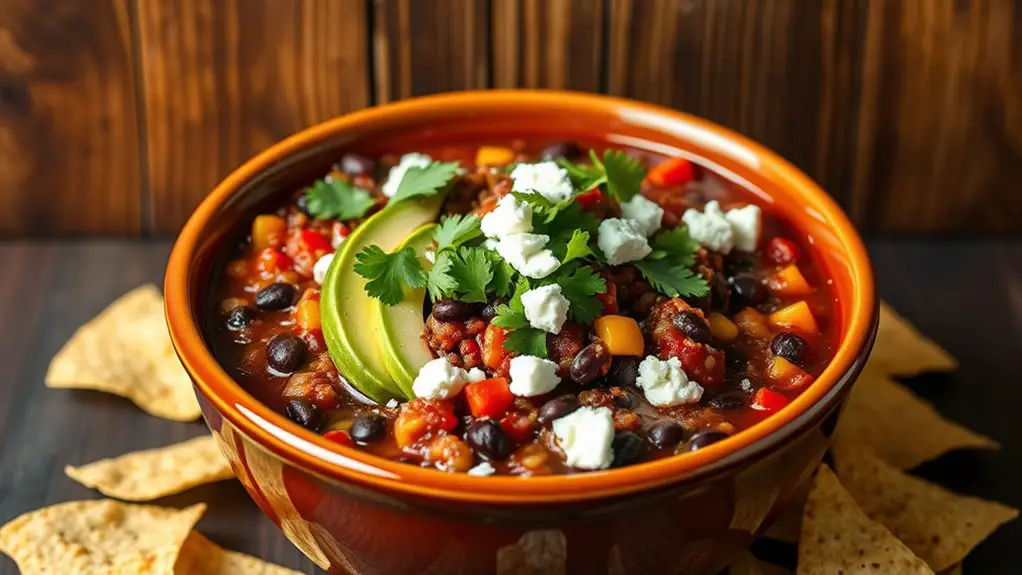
[(404, 353), (347, 312)]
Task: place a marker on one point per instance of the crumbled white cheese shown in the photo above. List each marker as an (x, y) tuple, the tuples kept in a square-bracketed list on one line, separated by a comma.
[(337, 238), (665, 383), (531, 375), (525, 253), (546, 308), (544, 178), (430, 256), (438, 379), (621, 241), (646, 214), (392, 404), (745, 227), (482, 470), (490, 244), (397, 173), (321, 266), (710, 228), (475, 374), (585, 435), (511, 216)]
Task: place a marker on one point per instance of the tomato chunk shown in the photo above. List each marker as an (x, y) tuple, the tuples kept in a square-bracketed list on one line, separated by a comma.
[(781, 251), (341, 437), (673, 172), (495, 356), (768, 401), (489, 398), (315, 242), (421, 416)]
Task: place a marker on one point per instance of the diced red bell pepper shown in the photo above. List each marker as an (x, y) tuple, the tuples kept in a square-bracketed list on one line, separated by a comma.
[(315, 242), (341, 437), (489, 398), (782, 251), (273, 261), (495, 356), (701, 362), (609, 299), (768, 401), (591, 201), (671, 173)]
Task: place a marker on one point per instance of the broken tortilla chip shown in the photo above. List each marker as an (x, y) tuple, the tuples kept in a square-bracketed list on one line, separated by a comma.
[(200, 556), (901, 350), (837, 537), (939, 526), (748, 564), (99, 536), (153, 473), (898, 426), (126, 350)]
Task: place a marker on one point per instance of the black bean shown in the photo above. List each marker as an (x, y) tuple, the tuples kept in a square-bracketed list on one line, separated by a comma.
[(695, 327), (240, 317), (368, 427), (665, 434), (737, 262), (750, 291), (304, 413), (735, 364), (623, 371), (789, 346), (357, 165), (726, 401), (720, 292), (557, 407), (628, 449), (454, 310), (488, 439), (590, 363), (489, 312), (285, 353), (567, 150), (276, 296), (704, 438)]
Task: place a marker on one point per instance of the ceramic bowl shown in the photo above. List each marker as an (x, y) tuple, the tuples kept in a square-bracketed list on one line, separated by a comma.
[(352, 512)]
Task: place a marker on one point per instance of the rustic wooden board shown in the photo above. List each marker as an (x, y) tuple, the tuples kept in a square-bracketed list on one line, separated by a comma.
[(223, 80), (548, 44), (69, 160), (428, 47)]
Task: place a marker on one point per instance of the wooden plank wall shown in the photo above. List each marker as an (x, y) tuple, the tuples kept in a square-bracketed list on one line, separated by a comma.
[(117, 116)]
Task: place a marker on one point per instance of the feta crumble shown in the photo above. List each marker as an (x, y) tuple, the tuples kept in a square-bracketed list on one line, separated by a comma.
[(646, 214), (546, 308), (475, 374), (337, 238), (320, 268), (525, 253), (392, 404), (511, 216), (438, 379), (745, 227), (665, 383), (482, 470), (531, 375), (397, 173), (621, 241), (430, 256), (710, 228), (585, 435), (544, 178)]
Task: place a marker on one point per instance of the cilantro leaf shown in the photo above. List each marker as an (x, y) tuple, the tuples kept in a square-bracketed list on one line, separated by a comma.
[(337, 199), (472, 272), (455, 230), (389, 273), (426, 181), (579, 288), (581, 175), (509, 318), (440, 282), (578, 246), (624, 174), (670, 276), (676, 244), (526, 341), (503, 273)]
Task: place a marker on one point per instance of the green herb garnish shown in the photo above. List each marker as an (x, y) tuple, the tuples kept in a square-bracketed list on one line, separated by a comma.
[(523, 339), (621, 173), (456, 230), (425, 182), (579, 287), (334, 198), (472, 272), (388, 274), (668, 267)]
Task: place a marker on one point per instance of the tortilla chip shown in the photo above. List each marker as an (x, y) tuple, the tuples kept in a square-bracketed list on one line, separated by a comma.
[(837, 537), (901, 350), (747, 564), (126, 350), (99, 536), (153, 473), (939, 526), (200, 556), (902, 429)]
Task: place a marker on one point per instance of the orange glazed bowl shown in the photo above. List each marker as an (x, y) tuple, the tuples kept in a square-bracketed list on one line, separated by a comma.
[(352, 512)]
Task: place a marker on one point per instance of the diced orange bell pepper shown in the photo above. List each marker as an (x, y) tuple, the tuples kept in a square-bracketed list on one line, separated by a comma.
[(494, 354), (620, 334), (307, 313), (489, 398), (494, 156), (753, 323), (671, 173), (421, 416), (722, 328), (797, 316), (268, 231), (786, 376), (789, 282)]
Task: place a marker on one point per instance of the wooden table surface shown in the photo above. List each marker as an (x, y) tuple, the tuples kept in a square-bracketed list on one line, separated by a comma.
[(967, 295)]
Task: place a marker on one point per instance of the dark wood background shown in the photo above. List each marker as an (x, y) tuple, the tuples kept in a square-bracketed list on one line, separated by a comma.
[(117, 116)]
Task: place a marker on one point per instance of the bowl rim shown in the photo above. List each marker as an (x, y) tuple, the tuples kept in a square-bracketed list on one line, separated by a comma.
[(314, 453)]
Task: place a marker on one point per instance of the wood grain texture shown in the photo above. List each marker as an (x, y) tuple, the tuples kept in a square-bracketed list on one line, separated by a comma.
[(429, 47), (223, 80), (69, 159), (548, 44)]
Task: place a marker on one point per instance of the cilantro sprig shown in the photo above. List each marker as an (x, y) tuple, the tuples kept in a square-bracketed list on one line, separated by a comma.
[(668, 268), (425, 182), (523, 339), (620, 173), (388, 273), (335, 198)]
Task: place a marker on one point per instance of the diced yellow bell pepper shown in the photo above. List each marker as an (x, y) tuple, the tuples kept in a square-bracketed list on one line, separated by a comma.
[(753, 323), (620, 334), (722, 328), (789, 282), (494, 156), (307, 314), (267, 231), (797, 316)]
